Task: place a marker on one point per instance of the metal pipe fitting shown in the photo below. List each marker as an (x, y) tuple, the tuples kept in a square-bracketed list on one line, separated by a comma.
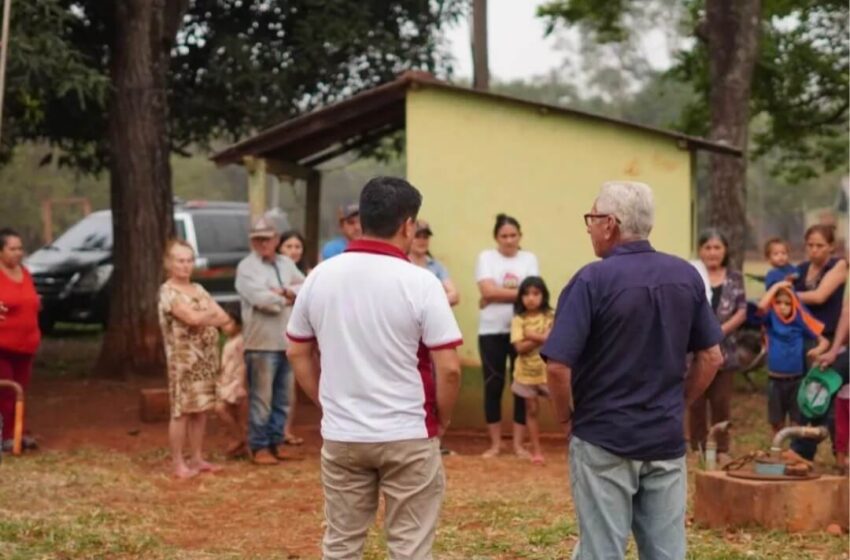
[(711, 443), (818, 433)]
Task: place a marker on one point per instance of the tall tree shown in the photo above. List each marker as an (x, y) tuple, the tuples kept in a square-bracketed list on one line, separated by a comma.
[(182, 73), (786, 60), (731, 34)]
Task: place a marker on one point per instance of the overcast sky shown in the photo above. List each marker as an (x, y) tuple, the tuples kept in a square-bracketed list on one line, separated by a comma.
[(518, 49)]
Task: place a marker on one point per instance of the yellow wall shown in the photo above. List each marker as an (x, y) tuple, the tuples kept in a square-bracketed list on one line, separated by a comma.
[(474, 157)]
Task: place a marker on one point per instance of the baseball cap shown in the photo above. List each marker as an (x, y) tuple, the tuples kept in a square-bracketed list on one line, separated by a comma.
[(262, 229), (349, 211), (423, 227)]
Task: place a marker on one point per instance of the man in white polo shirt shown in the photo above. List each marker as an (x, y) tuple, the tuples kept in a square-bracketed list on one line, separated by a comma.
[(378, 321)]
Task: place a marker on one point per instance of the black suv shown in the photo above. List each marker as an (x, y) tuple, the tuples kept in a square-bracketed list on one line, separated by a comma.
[(72, 274)]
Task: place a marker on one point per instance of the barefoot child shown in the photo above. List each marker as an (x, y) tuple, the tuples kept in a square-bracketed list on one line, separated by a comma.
[(787, 325), (776, 253), (231, 389), (529, 329)]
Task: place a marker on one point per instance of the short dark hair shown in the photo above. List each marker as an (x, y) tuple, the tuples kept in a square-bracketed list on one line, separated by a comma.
[(5, 234), (385, 204), (714, 233), (528, 283), (768, 245), (503, 220)]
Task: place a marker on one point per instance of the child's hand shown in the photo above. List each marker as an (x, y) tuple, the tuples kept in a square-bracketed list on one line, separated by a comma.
[(783, 284)]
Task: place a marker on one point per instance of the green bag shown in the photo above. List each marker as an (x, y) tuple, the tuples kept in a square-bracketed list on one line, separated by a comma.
[(816, 391)]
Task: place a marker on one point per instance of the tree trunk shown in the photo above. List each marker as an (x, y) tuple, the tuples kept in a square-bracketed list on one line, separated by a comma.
[(480, 48), (732, 28), (140, 183)]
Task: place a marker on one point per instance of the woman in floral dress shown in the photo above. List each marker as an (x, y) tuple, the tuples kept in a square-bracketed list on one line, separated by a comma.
[(189, 319)]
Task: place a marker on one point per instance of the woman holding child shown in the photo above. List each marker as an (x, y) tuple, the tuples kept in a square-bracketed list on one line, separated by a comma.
[(821, 279), (189, 319), (820, 286), (729, 302)]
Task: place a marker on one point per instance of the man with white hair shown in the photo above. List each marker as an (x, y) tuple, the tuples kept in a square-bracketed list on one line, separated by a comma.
[(617, 374)]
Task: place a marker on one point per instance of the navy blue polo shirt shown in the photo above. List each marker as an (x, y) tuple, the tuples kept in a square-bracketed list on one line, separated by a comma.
[(624, 326)]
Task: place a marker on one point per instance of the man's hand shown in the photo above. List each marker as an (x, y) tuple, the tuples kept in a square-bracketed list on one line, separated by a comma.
[(447, 366), (3, 311), (304, 359), (559, 378), (444, 427), (704, 366)]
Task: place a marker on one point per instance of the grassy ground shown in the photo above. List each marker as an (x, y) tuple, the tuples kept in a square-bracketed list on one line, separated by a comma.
[(103, 491)]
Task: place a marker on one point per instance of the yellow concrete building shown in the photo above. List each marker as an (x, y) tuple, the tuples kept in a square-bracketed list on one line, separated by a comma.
[(474, 154)]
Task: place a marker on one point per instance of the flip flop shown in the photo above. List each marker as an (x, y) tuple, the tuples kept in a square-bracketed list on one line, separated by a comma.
[(293, 440)]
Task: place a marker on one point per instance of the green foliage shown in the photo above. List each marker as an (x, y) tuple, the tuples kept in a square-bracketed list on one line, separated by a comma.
[(603, 17), (237, 65), (50, 85), (800, 84), (660, 102)]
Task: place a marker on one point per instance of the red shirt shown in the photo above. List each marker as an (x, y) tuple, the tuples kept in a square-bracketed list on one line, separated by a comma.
[(19, 330)]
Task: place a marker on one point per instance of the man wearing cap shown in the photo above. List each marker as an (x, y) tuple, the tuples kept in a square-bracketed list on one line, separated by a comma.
[(264, 281), (349, 225), (382, 408)]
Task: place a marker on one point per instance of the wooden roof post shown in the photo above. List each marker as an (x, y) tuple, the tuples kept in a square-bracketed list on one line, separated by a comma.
[(311, 221), (256, 168)]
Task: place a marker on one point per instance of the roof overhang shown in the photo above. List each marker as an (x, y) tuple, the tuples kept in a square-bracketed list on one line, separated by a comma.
[(319, 135)]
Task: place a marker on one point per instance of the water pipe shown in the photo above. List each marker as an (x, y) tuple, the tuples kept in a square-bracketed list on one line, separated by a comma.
[(818, 433), (19, 414), (711, 443)]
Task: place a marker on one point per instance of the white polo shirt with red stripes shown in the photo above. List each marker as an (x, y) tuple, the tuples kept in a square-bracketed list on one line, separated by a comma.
[(375, 316)]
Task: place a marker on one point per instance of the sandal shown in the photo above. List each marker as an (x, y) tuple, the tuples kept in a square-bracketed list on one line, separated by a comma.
[(293, 440), (236, 450)]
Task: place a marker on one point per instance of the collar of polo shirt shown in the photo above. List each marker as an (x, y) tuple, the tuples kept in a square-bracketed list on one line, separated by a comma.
[(376, 247)]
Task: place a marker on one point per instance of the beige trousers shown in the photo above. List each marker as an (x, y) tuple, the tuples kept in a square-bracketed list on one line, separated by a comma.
[(410, 476)]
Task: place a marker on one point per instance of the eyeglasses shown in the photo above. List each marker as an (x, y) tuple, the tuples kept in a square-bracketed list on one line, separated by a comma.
[(588, 217)]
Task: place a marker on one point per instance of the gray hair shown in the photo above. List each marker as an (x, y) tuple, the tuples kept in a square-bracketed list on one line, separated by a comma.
[(631, 203)]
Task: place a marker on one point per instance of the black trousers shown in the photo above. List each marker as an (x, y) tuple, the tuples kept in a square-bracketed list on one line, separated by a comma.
[(495, 350)]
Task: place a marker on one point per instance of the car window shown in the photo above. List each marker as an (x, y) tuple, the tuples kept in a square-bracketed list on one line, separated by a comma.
[(221, 233), (92, 233), (180, 228)]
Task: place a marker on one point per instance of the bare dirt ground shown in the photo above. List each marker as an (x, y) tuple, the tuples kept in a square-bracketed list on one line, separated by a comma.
[(100, 488)]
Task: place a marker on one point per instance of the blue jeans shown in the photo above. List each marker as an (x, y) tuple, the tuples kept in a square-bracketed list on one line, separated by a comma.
[(615, 496), (268, 397)]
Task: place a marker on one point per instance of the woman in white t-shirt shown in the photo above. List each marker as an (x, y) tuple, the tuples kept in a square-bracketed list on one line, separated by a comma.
[(499, 273)]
